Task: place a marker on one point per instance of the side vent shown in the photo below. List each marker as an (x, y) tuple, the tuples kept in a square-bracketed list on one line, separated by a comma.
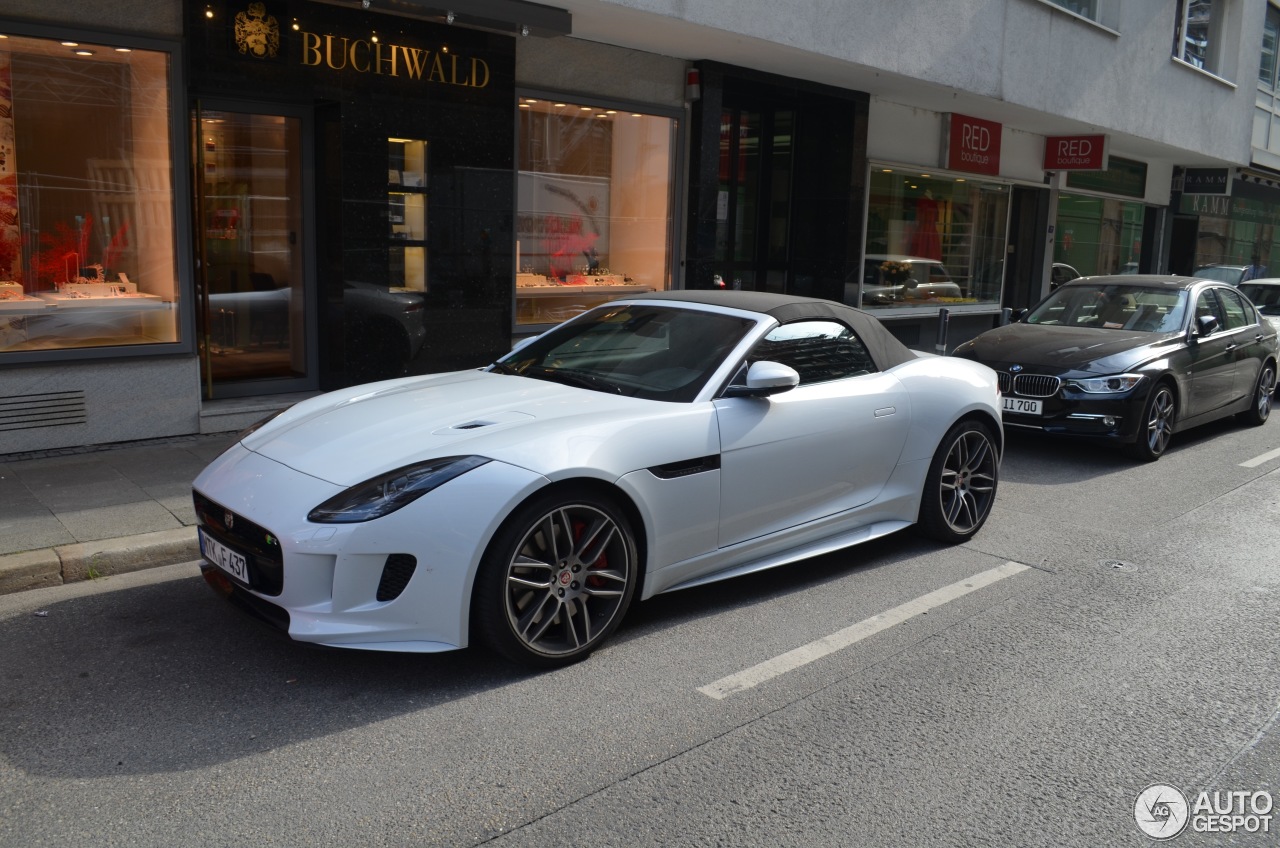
[(55, 409), (395, 575)]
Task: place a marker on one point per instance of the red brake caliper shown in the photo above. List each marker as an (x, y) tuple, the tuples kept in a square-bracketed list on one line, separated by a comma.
[(580, 527)]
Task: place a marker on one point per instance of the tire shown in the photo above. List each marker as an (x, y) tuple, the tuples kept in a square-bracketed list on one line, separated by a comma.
[(540, 602), (1155, 428), (961, 484), (1263, 392)]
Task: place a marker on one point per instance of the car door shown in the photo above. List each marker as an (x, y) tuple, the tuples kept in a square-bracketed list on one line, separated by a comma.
[(824, 447), (1246, 336), (1211, 360)]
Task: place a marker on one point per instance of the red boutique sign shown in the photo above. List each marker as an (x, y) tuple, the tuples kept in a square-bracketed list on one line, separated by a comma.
[(1075, 153), (972, 144)]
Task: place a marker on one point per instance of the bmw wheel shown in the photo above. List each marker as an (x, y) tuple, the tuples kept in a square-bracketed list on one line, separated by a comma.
[(1260, 410), (961, 485), (556, 580), (1155, 428)]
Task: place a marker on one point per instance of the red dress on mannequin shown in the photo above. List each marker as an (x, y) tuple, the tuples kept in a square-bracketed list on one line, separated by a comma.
[(925, 242)]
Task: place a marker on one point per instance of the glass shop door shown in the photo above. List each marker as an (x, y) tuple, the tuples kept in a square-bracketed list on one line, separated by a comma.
[(255, 296)]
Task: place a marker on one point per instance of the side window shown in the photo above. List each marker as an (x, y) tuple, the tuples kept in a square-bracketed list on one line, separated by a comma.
[(1206, 304), (818, 350), (1237, 312)]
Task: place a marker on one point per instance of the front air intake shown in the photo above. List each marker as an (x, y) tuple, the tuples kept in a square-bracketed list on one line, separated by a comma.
[(395, 575)]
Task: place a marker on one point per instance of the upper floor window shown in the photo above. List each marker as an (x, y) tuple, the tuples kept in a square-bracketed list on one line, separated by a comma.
[(1105, 12), (1199, 34), (1270, 36)]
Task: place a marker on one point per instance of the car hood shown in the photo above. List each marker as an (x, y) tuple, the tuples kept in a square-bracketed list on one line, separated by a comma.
[(347, 437), (1057, 350)]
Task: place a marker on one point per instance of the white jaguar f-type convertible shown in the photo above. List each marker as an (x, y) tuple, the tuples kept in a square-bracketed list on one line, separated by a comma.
[(648, 445)]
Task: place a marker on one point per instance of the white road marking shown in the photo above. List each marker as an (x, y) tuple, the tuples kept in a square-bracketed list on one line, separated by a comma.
[(1258, 460), (805, 654)]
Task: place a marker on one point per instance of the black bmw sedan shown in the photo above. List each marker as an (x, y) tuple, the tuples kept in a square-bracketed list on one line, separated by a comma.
[(1133, 359)]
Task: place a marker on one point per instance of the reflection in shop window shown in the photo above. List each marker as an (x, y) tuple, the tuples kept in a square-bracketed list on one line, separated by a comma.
[(86, 211), (1098, 235), (931, 241), (593, 218)]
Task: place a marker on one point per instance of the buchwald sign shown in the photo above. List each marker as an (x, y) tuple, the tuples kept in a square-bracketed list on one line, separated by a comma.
[(1075, 153), (971, 144)]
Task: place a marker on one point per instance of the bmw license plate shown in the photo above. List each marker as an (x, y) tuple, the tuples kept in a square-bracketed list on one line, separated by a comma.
[(230, 561), (1022, 406)]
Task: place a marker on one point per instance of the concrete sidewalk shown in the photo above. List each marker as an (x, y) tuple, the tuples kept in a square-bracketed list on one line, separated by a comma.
[(80, 513)]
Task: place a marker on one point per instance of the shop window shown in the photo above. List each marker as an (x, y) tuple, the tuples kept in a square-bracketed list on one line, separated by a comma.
[(1199, 35), (1098, 235), (931, 241), (87, 256), (594, 201)]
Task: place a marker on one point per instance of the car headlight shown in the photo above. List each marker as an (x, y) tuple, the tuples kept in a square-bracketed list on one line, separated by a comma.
[(1107, 385), (388, 492)]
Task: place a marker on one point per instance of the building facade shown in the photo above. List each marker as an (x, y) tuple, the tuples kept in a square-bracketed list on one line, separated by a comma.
[(208, 210)]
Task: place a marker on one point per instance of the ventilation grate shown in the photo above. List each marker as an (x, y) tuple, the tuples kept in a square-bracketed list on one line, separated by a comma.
[(30, 412), (395, 576)]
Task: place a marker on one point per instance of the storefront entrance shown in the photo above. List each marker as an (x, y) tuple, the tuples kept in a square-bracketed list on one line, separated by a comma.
[(255, 305), (776, 184)]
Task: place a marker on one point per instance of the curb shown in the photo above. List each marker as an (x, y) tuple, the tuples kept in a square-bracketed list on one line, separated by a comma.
[(88, 560)]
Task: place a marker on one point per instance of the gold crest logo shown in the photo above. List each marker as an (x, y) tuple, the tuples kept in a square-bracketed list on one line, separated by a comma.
[(258, 33)]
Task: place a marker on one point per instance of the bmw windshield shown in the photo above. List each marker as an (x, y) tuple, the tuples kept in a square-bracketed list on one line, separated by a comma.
[(1113, 307), (644, 351)]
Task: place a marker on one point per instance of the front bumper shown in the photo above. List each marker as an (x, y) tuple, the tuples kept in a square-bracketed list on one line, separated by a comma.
[(401, 582), (1071, 412)]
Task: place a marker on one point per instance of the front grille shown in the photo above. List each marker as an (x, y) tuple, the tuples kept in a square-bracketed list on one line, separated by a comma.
[(261, 549), (1029, 385)]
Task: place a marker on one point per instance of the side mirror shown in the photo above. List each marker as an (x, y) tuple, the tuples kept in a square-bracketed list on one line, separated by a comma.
[(766, 378), (1019, 314), (1205, 325)]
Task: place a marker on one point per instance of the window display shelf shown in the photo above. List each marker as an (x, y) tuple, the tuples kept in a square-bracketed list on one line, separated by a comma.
[(407, 212), (23, 306), (115, 303)]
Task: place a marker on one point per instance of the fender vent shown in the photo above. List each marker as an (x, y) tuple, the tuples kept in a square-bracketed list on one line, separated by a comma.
[(395, 575), (30, 412)]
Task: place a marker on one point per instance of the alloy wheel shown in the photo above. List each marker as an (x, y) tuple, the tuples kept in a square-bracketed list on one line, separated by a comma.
[(1266, 388), (1160, 421), (569, 580), (968, 481)]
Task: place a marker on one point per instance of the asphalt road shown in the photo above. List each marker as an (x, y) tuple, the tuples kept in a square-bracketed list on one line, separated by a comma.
[(1112, 627)]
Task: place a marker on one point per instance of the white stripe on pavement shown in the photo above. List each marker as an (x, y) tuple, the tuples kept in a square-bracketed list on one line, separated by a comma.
[(805, 654), (1258, 460)]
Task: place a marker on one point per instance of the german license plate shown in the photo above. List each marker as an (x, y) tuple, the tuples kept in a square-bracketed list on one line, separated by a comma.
[(232, 562), (1022, 406)]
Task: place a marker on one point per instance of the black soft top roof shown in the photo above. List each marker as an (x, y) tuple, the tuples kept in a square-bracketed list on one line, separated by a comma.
[(885, 350)]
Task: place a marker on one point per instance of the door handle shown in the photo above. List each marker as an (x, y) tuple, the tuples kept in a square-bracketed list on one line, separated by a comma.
[(1231, 347)]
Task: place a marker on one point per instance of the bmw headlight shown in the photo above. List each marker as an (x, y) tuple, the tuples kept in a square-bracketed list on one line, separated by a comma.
[(388, 492), (1107, 385)]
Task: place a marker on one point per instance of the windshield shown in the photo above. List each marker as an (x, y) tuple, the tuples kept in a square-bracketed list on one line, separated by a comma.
[(644, 351), (1221, 273), (1265, 297), (1113, 307)]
